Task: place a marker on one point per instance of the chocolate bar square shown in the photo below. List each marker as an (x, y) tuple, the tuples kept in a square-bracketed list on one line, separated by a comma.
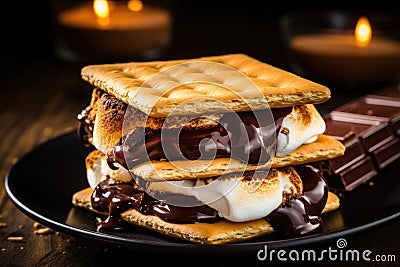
[(373, 133), (386, 154), (355, 167), (375, 107), (349, 178)]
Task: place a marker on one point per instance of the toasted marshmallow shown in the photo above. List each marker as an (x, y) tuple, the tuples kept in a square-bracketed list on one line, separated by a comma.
[(238, 199), (301, 126), (98, 170)]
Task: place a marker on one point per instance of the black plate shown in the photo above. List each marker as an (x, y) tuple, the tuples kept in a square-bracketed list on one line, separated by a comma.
[(42, 183)]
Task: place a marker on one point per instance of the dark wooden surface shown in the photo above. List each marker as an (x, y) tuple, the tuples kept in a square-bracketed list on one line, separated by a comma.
[(41, 95)]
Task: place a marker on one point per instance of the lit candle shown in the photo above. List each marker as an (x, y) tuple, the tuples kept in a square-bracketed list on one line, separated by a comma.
[(105, 28), (352, 57)]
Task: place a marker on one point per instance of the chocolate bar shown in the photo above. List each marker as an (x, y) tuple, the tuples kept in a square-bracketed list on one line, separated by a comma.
[(355, 167), (349, 178), (354, 153), (375, 107), (373, 132), (369, 127), (387, 154)]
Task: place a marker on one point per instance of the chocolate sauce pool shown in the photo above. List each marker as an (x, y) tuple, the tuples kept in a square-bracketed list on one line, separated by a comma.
[(244, 136), (300, 217)]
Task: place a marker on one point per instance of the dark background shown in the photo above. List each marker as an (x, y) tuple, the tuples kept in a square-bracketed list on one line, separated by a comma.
[(200, 27)]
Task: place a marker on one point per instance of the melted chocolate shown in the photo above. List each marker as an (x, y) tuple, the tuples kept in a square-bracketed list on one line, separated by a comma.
[(85, 128), (239, 135), (302, 215), (117, 198)]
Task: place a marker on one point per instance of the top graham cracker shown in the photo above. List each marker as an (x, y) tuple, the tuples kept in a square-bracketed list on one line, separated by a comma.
[(232, 82)]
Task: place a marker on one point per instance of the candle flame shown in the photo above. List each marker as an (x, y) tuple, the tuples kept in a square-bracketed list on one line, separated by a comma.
[(135, 5), (363, 32), (102, 11)]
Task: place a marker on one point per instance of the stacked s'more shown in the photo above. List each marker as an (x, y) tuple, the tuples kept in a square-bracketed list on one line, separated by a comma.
[(210, 150)]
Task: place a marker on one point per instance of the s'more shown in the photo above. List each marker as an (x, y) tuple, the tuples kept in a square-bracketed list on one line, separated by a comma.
[(210, 150)]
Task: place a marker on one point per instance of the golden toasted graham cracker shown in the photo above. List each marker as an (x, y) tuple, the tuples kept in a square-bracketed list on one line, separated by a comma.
[(229, 82), (322, 149), (221, 232)]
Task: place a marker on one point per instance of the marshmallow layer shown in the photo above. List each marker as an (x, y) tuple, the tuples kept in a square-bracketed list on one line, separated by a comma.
[(301, 126), (97, 170), (236, 197)]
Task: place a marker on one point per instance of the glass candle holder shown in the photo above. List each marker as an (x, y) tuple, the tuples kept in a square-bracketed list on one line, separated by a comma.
[(101, 30), (343, 48)]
